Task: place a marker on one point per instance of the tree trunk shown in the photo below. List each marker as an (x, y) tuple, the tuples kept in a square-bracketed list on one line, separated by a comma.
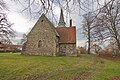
[(118, 45), (88, 39)]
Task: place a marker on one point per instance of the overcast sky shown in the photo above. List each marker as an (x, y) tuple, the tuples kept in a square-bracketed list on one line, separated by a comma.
[(23, 23)]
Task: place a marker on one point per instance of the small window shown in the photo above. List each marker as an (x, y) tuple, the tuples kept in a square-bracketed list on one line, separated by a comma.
[(64, 46), (39, 43), (41, 20)]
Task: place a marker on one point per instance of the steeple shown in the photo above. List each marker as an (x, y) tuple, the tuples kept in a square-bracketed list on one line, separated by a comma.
[(61, 20)]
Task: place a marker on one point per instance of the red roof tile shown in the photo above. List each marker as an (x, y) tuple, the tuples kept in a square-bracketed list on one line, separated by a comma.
[(67, 34)]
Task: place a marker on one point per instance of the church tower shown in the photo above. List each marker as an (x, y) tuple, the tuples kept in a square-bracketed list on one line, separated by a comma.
[(61, 20), (67, 37)]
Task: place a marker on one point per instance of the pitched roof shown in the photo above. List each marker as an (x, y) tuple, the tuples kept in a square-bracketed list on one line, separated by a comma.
[(47, 21), (67, 34)]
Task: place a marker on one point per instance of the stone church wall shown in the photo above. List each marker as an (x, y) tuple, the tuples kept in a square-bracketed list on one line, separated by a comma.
[(41, 40), (67, 49)]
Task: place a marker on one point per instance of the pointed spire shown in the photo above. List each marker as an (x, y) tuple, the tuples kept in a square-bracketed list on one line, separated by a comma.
[(61, 20)]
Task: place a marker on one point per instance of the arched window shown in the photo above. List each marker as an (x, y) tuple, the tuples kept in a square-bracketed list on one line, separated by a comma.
[(41, 20), (39, 43)]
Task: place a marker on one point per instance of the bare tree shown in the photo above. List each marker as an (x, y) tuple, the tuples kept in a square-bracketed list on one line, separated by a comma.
[(5, 26), (108, 23), (2, 5), (24, 38), (34, 7), (87, 22), (88, 26)]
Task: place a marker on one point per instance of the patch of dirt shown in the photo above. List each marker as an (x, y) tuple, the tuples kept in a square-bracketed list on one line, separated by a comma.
[(110, 57), (35, 77), (82, 76), (116, 78), (79, 76)]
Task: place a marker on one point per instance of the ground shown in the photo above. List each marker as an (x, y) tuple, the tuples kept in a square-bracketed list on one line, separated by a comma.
[(110, 57), (14, 66)]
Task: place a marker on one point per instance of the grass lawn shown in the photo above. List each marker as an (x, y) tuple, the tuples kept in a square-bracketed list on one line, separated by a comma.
[(14, 66)]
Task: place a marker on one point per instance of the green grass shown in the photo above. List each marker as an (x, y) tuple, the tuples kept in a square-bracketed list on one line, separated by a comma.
[(14, 66)]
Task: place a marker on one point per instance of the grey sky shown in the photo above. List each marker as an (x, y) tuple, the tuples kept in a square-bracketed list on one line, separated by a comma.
[(23, 23)]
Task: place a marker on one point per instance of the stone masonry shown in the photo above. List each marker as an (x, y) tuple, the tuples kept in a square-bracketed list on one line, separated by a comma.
[(46, 40), (42, 39)]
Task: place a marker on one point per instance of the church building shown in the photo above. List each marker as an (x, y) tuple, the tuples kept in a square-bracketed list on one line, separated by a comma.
[(47, 40)]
